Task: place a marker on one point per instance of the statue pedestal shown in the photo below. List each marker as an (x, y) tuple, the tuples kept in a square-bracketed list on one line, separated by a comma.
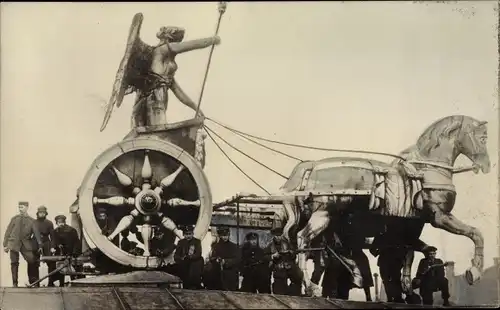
[(184, 134)]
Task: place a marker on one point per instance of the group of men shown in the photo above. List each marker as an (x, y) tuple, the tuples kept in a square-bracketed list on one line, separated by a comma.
[(257, 264), (31, 238), (430, 276), (227, 262)]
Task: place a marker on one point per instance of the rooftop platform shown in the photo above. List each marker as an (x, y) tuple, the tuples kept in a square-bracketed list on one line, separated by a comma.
[(155, 298)]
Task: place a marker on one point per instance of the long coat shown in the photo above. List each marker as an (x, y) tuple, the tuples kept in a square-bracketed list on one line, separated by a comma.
[(66, 237), (46, 229), (22, 234)]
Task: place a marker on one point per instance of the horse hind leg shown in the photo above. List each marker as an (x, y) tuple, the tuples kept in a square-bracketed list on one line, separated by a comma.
[(317, 223), (453, 225)]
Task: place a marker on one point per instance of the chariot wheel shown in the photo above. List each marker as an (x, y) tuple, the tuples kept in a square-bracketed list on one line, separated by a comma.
[(144, 183)]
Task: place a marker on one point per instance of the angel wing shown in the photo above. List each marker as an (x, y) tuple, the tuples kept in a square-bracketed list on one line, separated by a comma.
[(135, 63)]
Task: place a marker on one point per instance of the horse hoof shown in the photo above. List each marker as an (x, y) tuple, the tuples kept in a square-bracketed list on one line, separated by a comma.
[(472, 275), (315, 290)]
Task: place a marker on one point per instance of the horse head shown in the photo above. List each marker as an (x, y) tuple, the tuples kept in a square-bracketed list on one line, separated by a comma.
[(452, 136), (473, 143)]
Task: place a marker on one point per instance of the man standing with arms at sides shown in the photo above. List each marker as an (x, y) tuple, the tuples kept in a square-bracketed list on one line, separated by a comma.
[(66, 242), (223, 271), (189, 260), (391, 252), (46, 229), (431, 278), (255, 266), (20, 237)]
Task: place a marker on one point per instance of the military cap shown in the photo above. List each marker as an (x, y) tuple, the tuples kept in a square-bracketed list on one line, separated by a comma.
[(42, 209), (430, 249), (101, 210), (223, 231), (188, 228), (60, 217), (24, 203)]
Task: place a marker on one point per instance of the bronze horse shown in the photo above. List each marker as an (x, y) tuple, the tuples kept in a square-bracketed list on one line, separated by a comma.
[(426, 168)]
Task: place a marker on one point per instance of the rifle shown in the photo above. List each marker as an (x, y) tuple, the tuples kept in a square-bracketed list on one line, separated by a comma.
[(356, 277), (218, 260), (434, 266), (417, 280), (67, 262), (297, 251)]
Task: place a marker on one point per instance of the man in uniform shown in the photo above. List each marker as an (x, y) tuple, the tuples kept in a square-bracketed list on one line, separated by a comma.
[(103, 263), (222, 269), (189, 260), (20, 237), (431, 277), (284, 266), (46, 229), (353, 240), (107, 224), (391, 254), (161, 245), (337, 280), (255, 267), (66, 242)]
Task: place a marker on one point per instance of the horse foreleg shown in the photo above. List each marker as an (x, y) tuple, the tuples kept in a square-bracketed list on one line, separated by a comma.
[(406, 278), (317, 223), (292, 214), (453, 225)]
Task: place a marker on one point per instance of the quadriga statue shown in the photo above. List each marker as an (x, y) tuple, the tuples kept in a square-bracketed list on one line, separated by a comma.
[(417, 188), (137, 193), (150, 72)]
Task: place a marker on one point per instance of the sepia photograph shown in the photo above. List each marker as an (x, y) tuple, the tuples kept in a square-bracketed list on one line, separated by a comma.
[(249, 155)]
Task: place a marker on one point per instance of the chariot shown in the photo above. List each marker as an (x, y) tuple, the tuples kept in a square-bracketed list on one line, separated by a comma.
[(152, 182)]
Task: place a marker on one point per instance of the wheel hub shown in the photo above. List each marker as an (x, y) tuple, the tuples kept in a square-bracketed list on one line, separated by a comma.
[(148, 202)]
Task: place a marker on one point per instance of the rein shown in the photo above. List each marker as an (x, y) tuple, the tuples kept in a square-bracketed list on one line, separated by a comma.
[(453, 170)]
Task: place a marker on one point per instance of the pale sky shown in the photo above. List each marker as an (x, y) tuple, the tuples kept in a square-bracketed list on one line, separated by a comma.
[(368, 76)]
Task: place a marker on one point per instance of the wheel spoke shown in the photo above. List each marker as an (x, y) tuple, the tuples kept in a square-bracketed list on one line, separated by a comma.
[(170, 225), (114, 201), (168, 180), (124, 223), (174, 202), (147, 171), (146, 232), (124, 179)]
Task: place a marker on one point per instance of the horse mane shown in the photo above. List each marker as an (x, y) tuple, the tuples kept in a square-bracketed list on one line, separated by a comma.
[(445, 128)]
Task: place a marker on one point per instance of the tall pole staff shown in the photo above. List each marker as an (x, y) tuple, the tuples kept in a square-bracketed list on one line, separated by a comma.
[(221, 8)]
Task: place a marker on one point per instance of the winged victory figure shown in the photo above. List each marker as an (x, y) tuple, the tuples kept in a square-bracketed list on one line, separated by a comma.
[(149, 71)]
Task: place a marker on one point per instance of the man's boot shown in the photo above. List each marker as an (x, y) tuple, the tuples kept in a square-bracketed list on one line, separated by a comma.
[(33, 274), (51, 268), (14, 268)]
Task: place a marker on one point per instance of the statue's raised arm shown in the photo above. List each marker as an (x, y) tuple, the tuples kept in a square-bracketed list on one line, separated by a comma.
[(150, 72), (181, 47)]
